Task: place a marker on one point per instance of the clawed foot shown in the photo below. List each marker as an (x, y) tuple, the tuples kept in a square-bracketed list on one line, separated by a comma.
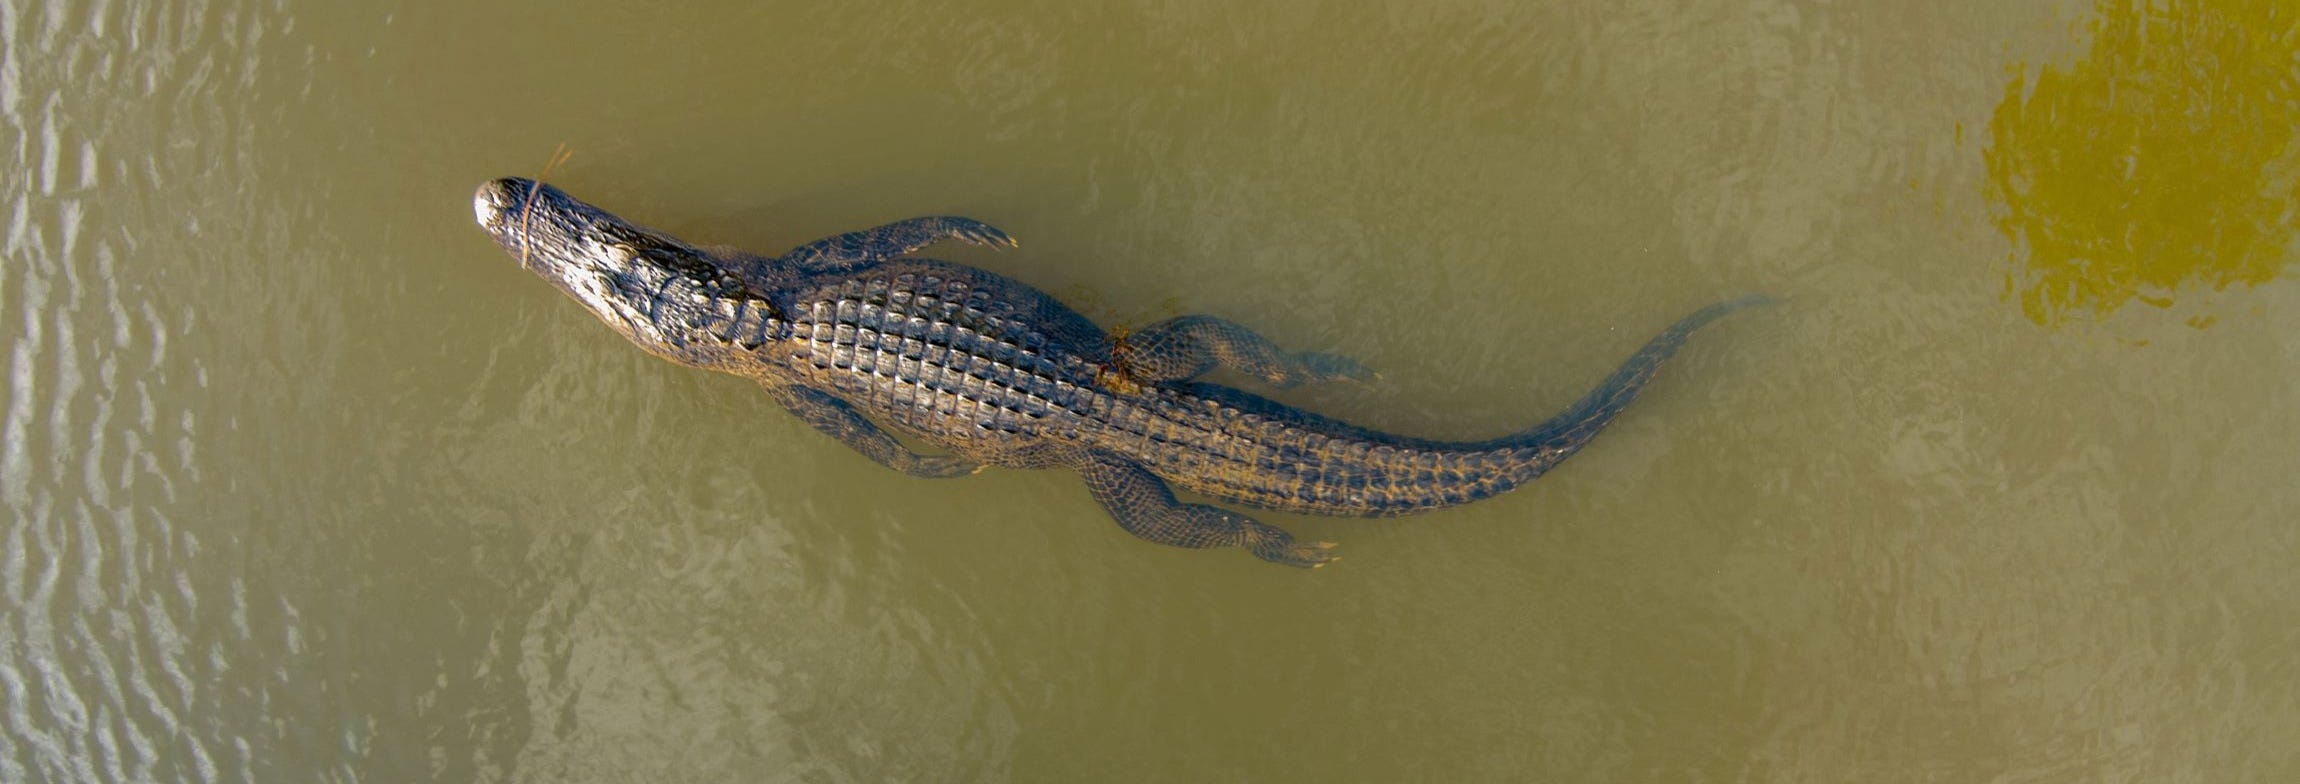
[(939, 466), (1273, 544), (1316, 367), (1310, 555), (1335, 367), (980, 233)]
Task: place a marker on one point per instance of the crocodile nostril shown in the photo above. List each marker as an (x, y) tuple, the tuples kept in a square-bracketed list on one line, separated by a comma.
[(487, 205), (483, 210)]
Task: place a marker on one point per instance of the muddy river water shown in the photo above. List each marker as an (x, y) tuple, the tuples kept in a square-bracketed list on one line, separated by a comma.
[(304, 480)]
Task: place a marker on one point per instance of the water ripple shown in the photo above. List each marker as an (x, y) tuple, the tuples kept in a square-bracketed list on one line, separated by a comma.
[(98, 668)]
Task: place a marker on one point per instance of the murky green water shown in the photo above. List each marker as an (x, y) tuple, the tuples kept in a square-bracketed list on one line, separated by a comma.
[(306, 481)]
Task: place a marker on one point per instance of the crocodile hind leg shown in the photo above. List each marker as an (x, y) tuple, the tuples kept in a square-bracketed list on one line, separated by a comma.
[(1145, 508), (838, 420), (1186, 347)]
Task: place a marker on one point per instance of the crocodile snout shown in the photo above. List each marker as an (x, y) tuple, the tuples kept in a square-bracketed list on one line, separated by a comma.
[(496, 199)]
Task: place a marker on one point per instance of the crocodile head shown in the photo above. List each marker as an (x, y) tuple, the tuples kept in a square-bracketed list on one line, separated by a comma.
[(612, 266)]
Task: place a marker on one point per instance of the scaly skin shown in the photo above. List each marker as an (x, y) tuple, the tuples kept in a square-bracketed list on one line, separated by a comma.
[(844, 331)]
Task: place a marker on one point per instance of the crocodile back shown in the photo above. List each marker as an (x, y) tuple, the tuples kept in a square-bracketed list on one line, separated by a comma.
[(961, 357)]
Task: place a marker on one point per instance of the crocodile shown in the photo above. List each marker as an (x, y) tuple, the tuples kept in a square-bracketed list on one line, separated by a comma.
[(864, 341)]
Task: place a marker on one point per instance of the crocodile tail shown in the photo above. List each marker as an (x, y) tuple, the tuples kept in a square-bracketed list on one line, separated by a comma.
[(1543, 446), (1324, 466)]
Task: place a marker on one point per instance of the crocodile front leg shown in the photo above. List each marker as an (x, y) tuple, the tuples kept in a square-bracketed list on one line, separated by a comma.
[(1146, 508), (835, 418), (853, 249), (1186, 347)]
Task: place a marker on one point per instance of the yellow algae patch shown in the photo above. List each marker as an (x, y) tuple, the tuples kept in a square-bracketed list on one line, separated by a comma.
[(2163, 160)]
